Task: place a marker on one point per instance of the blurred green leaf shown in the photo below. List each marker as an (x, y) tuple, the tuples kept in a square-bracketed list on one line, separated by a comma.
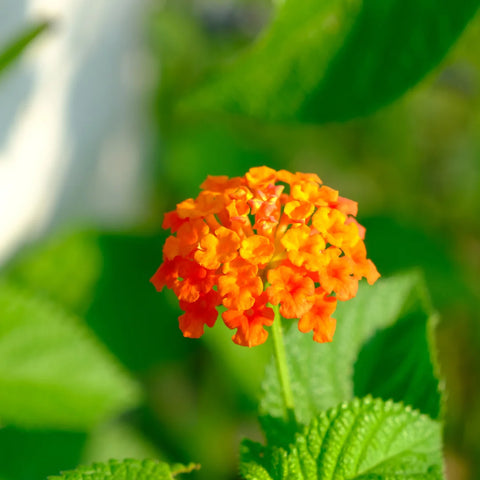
[(126, 470), (104, 278), (399, 245), (10, 52), (65, 268), (363, 439), (209, 141), (53, 371), (139, 325), (323, 375), (117, 440), (395, 364), (335, 59)]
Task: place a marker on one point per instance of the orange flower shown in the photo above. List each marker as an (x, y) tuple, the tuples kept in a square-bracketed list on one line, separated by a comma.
[(283, 228)]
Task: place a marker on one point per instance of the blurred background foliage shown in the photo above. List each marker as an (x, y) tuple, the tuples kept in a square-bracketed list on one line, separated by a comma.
[(219, 107)]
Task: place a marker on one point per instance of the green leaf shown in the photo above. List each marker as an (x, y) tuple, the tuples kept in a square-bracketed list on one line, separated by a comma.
[(127, 470), (363, 439), (10, 52), (80, 270), (53, 371), (388, 327), (117, 439), (334, 60), (64, 268), (396, 364)]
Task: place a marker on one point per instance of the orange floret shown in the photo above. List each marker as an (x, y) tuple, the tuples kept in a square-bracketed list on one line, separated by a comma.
[(260, 177), (199, 313), (292, 290), (363, 266), (249, 323), (188, 235), (166, 275), (319, 319), (304, 248), (196, 281), (338, 275), (257, 249), (299, 211), (283, 228), (239, 288), (221, 183), (215, 249), (335, 228), (172, 221)]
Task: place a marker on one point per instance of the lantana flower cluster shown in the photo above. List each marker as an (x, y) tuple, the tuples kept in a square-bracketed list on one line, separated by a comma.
[(270, 238)]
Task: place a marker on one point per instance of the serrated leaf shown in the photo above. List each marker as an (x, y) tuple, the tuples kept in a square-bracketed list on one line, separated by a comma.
[(364, 439), (397, 364), (127, 470), (335, 59), (53, 371)]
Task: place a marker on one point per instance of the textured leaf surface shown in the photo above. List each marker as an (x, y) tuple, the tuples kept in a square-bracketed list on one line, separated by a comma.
[(336, 59), (388, 327), (364, 439), (127, 470), (53, 372)]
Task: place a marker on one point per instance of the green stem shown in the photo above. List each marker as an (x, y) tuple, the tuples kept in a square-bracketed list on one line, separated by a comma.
[(281, 363)]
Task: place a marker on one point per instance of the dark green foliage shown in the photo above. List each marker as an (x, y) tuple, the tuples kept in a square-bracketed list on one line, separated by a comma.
[(395, 364), (35, 454), (399, 246), (336, 59)]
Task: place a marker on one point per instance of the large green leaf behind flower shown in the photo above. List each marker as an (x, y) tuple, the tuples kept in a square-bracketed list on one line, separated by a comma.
[(334, 60), (388, 328)]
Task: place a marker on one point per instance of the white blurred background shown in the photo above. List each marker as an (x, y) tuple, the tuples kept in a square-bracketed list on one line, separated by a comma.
[(73, 140)]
